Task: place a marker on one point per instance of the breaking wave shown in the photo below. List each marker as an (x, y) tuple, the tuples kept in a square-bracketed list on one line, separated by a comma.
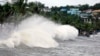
[(38, 31)]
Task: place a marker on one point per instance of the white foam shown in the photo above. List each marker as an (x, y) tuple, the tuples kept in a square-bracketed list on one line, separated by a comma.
[(38, 31), (66, 32)]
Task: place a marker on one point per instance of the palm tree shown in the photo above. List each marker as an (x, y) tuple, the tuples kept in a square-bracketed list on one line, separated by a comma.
[(5, 11), (20, 6)]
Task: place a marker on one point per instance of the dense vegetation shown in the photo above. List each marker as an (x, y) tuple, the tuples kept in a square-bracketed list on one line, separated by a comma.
[(12, 12)]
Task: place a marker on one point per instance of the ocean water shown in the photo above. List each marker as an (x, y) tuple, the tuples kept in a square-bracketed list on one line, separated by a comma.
[(81, 46)]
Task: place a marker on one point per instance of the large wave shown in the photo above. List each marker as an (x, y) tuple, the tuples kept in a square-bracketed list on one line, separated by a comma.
[(38, 31)]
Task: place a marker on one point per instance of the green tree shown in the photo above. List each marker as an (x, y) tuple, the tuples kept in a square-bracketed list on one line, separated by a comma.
[(96, 6), (20, 6), (5, 11), (83, 7), (35, 7)]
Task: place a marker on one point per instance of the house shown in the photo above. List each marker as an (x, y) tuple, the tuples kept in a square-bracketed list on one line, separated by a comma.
[(86, 17), (88, 11), (74, 11), (63, 9), (96, 14), (46, 9)]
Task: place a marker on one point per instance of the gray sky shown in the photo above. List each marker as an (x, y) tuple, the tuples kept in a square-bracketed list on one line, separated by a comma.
[(50, 3), (66, 2)]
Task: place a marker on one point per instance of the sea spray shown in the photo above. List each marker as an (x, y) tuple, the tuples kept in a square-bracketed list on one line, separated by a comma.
[(66, 32), (38, 31)]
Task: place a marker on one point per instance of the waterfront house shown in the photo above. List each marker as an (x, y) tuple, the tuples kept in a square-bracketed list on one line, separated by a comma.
[(74, 11), (63, 9), (86, 17), (46, 9), (96, 14), (88, 11)]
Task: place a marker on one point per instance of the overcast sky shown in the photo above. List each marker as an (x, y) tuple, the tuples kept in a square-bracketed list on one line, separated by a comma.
[(50, 3), (66, 2)]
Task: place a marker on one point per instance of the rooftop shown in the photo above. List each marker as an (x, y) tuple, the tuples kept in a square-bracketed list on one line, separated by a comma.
[(96, 11)]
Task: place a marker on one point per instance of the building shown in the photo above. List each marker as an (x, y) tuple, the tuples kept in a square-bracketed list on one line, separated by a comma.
[(63, 9), (96, 14), (88, 11), (46, 9), (74, 11), (86, 17)]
